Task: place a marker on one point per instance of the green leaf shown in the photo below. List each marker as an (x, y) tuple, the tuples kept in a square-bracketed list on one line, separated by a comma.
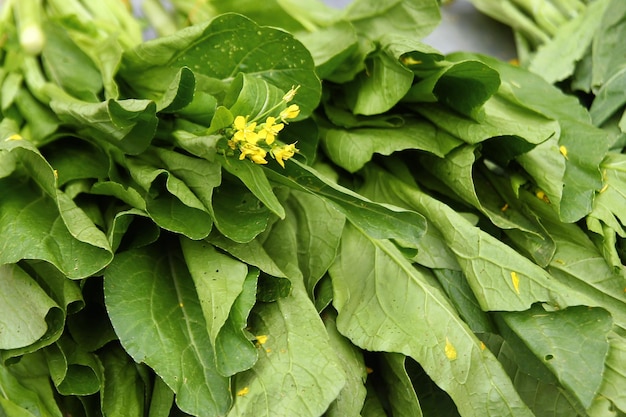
[(220, 49), (26, 389), (378, 220), (608, 49), (239, 214), (330, 46), (234, 351), (317, 227), (227, 292), (26, 309), (253, 176), (127, 124), (572, 343), (399, 388), (411, 18), (373, 285), (352, 396), (500, 277), (613, 377), (161, 400), (381, 86), (253, 97), (351, 149), (609, 98), (68, 66), (499, 117), (570, 43), (180, 92), (147, 312), (542, 393), (27, 212), (123, 390), (169, 200), (297, 372), (63, 154), (73, 370)]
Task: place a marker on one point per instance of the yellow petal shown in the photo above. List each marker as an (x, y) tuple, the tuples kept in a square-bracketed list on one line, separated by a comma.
[(450, 350), (515, 280), (244, 391)]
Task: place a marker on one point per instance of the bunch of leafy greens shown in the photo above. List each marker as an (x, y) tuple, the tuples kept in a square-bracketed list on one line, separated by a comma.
[(446, 240)]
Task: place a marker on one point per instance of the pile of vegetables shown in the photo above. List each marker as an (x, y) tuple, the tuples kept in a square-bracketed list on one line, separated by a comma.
[(283, 209)]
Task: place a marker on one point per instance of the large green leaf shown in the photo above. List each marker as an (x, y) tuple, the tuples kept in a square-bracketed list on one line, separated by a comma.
[(157, 315), (572, 343), (387, 304), (220, 49), (227, 292), (500, 277), (297, 372)]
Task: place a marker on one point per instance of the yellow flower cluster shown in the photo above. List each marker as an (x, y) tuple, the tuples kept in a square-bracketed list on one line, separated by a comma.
[(254, 141)]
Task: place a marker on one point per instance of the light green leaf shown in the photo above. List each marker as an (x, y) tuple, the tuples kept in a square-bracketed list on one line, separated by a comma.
[(220, 49), (239, 214), (542, 394), (161, 400), (608, 48), (123, 391), (373, 285), (26, 311), (410, 18), (500, 277), (609, 98), (351, 398), (330, 46), (147, 312), (614, 377), (351, 149), (297, 372), (61, 58), (572, 343), (570, 43), (180, 92)]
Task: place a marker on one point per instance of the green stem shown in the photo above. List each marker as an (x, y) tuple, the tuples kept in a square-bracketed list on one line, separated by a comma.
[(160, 20)]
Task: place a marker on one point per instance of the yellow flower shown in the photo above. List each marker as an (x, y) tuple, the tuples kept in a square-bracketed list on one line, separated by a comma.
[(270, 129), (245, 132), (290, 112), (255, 153), (283, 153), (290, 94)]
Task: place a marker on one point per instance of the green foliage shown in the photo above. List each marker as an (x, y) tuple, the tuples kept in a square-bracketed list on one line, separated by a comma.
[(419, 234)]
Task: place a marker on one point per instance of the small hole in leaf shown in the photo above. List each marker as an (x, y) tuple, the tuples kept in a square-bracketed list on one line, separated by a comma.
[(549, 357)]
